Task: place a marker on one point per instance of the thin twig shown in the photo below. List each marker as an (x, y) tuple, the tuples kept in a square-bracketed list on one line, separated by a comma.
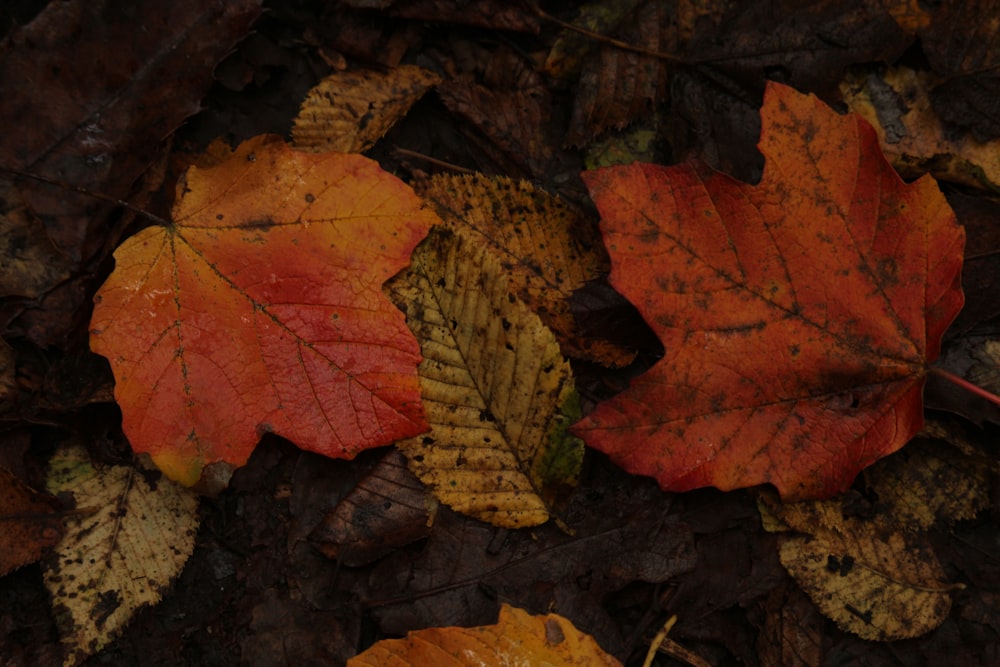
[(598, 37), (84, 191)]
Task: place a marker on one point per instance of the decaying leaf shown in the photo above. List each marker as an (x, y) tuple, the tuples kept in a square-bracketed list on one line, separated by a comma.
[(387, 509), (869, 578), (31, 265), (566, 56), (465, 566), (29, 523), (793, 631), (547, 249), (518, 638), (498, 394), (929, 482), (349, 111), (260, 309), (95, 122), (798, 316), (985, 371), (618, 86), (8, 379), (960, 45), (513, 119), (896, 101), (123, 555)]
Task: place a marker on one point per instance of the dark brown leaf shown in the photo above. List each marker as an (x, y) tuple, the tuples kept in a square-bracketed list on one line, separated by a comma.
[(961, 44), (622, 533), (28, 523), (387, 509), (96, 121)]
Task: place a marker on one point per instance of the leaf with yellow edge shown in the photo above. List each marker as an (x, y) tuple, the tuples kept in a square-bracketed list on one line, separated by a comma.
[(497, 393), (119, 557), (349, 111), (517, 638), (869, 577), (548, 249)]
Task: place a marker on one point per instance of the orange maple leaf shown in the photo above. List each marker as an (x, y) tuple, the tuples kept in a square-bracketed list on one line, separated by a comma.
[(261, 310), (798, 316)]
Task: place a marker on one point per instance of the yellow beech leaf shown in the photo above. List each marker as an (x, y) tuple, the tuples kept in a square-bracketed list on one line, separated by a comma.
[(496, 391), (349, 111), (119, 557), (866, 576), (547, 249), (518, 638)]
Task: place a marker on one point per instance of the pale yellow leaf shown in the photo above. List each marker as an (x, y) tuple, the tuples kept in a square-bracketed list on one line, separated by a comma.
[(864, 575), (119, 557)]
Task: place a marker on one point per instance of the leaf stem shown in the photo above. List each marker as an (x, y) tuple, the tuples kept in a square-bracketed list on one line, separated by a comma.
[(965, 384)]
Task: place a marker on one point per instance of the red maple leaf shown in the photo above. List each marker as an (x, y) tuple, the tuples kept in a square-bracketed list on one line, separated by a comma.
[(798, 316), (260, 309)]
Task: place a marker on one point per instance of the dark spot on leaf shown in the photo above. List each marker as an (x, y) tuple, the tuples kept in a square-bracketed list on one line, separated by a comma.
[(107, 603), (553, 632), (865, 616)]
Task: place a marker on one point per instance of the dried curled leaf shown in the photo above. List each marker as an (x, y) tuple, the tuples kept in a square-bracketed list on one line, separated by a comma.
[(517, 638), (119, 557), (349, 111), (497, 392)]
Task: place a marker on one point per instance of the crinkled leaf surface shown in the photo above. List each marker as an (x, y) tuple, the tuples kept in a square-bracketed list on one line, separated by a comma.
[(350, 111), (261, 310), (798, 315), (517, 638), (546, 248), (498, 393)]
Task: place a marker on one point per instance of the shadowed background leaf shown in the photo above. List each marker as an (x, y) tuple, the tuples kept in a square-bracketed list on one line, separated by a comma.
[(871, 579), (29, 523)]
